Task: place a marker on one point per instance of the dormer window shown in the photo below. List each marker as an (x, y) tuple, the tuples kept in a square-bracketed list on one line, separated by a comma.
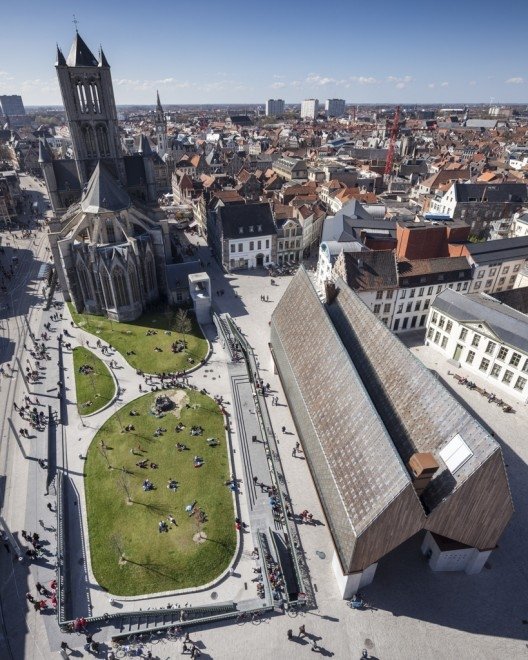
[(259, 227), (241, 230), (251, 229)]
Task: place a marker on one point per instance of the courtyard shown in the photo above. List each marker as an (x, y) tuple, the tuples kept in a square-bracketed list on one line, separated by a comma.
[(94, 385), (147, 344), (158, 519)]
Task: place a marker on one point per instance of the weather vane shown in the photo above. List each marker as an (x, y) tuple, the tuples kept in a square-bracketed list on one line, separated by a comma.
[(75, 22)]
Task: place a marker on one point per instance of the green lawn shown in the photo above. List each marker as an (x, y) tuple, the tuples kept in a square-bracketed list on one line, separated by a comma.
[(96, 388), (159, 561), (132, 338)]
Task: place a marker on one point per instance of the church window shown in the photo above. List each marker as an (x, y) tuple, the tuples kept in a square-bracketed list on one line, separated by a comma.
[(102, 141), (95, 97), (89, 141), (132, 276), (120, 287), (84, 281), (107, 291), (150, 273)]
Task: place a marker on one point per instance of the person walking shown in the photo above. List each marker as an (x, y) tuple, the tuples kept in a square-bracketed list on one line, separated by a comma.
[(289, 634), (302, 631)]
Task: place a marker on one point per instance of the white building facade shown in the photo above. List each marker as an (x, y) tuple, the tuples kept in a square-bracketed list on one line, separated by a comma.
[(309, 108), (475, 332)]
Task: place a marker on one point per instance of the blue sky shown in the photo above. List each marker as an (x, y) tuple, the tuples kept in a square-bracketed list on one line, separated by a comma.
[(244, 51)]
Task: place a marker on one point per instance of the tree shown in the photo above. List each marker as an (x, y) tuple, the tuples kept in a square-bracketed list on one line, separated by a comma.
[(124, 483), (182, 322)]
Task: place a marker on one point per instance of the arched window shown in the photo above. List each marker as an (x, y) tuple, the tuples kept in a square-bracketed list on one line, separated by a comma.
[(84, 279), (107, 290), (132, 276), (150, 272), (102, 141), (120, 287), (89, 141)]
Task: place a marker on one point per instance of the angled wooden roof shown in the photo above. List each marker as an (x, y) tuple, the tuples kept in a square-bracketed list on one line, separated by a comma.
[(363, 405)]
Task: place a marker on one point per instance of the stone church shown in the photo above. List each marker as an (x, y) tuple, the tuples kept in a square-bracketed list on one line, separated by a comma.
[(109, 248), (88, 96)]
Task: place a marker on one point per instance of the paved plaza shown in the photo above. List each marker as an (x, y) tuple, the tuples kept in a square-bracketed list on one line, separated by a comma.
[(414, 612)]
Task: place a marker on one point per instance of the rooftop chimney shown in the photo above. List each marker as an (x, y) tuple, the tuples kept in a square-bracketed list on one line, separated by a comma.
[(422, 467), (331, 291)]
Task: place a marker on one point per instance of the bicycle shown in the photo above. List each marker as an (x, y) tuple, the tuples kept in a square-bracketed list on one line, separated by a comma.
[(254, 617), (175, 633)]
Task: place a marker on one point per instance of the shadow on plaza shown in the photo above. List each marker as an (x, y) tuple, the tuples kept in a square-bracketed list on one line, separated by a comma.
[(19, 302), (493, 602)]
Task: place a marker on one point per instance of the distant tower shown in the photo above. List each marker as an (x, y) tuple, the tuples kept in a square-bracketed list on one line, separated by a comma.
[(161, 129), (88, 97)]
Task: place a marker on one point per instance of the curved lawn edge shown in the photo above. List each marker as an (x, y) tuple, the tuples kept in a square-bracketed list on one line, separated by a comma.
[(190, 567), (203, 587), (88, 324), (106, 387)]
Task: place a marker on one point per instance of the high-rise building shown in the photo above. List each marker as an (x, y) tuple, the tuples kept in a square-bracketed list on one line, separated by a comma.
[(309, 108), (11, 105), (335, 107), (274, 107)]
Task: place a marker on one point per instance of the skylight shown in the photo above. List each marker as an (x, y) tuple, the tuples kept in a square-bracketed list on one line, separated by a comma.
[(455, 453)]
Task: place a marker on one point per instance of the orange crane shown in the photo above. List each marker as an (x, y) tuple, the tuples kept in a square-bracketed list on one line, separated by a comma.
[(392, 141)]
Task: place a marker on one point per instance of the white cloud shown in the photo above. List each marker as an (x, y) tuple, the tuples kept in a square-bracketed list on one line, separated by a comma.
[(319, 81), (431, 85), (400, 82), (278, 77), (278, 85), (364, 80), (295, 83), (515, 81), (444, 84), (472, 83)]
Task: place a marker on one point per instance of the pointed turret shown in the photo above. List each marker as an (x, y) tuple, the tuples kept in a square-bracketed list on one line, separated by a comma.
[(60, 58), (80, 54), (144, 147), (158, 102), (45, 155), (102, 59)]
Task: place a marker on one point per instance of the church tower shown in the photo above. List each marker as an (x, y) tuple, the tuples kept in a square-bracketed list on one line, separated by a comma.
[(161, 129), (86, 88)]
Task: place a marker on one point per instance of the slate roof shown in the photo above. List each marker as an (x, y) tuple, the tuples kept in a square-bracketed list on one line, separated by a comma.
[(103, 193), (516, 298), (243, 216), (367, 477), (364, 405), (135, 170), (66, 175), (80, 54), (414, 267), (510, 325), (370, 270), (502, 249), (491, 193)]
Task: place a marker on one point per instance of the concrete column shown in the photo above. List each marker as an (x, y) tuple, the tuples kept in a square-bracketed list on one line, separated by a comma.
[(476, 562), (350, 584)]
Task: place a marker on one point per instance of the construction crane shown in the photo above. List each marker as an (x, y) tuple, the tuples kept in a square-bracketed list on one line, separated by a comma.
[(392, 141)]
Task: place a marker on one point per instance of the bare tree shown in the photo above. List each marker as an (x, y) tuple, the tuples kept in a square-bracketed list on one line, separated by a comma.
[(104, 452), (117, 543), (182, 322), (123, 482)]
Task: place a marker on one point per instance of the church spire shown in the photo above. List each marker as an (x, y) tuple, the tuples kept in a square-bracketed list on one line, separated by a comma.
[(158, 102), (102, 59), (80, 54), (60, 58)]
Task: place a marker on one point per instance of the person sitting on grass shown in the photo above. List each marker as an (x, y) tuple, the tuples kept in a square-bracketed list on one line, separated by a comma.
[(213, 442), (181, 447), (148, 485), (133, 413), (154, 466), (142, 464), (172, 520), (172, 484), (162, 526), (198, 461)]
